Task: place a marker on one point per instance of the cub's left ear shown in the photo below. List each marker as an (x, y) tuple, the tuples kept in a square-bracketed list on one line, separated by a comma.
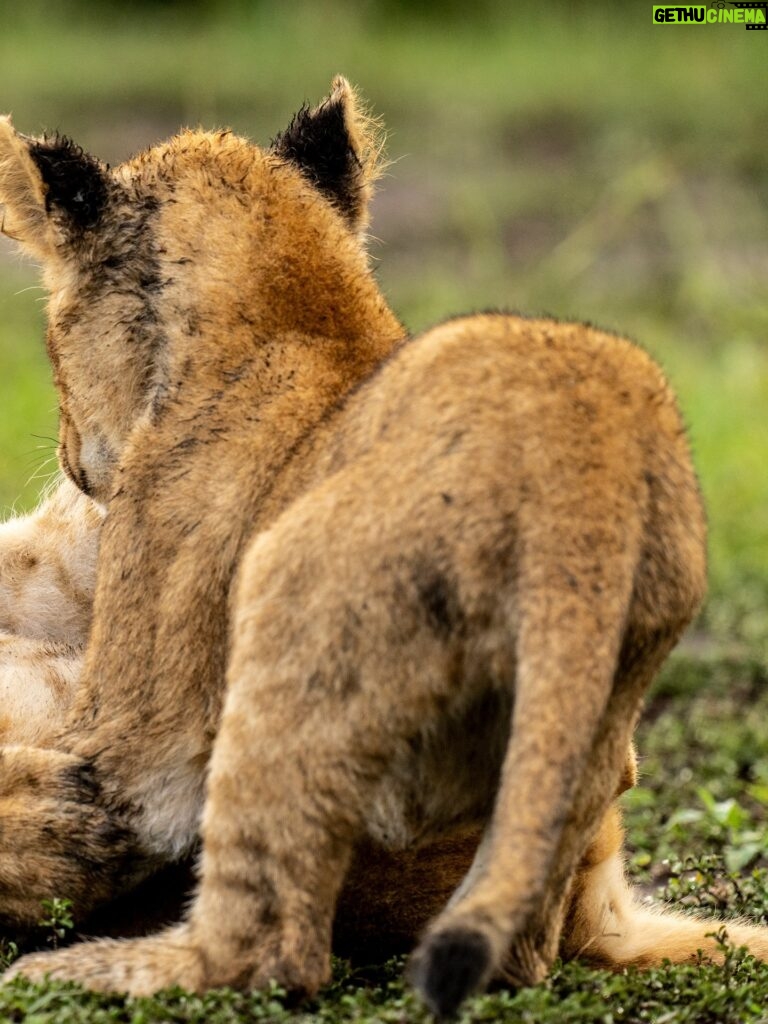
[(47, 184), (21, 192), (338, 146)]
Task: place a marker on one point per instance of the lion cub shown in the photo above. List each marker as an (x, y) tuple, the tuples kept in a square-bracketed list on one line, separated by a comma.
[(437, 573), (47, 579)]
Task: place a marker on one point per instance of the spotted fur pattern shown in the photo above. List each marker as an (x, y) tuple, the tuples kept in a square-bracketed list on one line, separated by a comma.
[(47, 580), (355, 592)]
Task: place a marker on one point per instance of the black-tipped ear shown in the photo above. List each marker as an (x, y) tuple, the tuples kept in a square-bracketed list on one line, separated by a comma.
[(74, 182), (337, 147)]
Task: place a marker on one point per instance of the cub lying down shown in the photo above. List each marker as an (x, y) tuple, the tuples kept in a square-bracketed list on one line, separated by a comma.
[(47, 580), (359, 597)]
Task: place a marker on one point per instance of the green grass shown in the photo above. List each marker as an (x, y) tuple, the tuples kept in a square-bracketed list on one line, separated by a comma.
[(590, 166), (27, 399), (571, 995)]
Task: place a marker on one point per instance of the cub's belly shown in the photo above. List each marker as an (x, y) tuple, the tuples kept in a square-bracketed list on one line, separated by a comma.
[(37, 683), (444, 778), (388, 897)]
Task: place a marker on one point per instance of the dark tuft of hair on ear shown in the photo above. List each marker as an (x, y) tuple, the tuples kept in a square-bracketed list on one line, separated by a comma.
[(75, 182), (317, 142), (337, 146)]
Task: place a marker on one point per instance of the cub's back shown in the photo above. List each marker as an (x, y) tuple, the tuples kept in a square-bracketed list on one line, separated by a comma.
[(492, 434), (540, 388)]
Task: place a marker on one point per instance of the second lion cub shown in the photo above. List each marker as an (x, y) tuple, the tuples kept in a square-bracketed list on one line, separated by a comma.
[(439, 573)]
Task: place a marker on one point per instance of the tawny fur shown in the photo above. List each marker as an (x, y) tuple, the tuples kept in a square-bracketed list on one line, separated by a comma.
[(386, 591), (47, 580)]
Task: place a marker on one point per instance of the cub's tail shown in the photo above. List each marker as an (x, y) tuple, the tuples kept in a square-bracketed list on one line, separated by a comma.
[(598, 601), (571, 728)]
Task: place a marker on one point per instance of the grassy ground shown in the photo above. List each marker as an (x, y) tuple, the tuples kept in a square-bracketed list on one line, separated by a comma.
[(590, 165)]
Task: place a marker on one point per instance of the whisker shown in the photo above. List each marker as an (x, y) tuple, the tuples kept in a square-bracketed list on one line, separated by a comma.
[(45, 460), (40, 449), (50, 447), (38, 467), (41, 461), (39, 475)]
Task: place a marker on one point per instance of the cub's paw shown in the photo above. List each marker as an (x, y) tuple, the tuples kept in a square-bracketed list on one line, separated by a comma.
[(141, 967), (136, 967), (526, 963), (56, 836)]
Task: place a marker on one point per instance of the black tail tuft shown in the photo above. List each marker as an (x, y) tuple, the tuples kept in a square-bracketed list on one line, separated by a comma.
[(448, 967)]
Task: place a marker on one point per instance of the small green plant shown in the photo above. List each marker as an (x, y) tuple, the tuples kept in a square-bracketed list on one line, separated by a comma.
[(9, 951), (57, 919)]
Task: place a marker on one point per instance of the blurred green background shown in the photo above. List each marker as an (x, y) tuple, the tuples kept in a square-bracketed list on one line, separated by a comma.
[(569, 158)]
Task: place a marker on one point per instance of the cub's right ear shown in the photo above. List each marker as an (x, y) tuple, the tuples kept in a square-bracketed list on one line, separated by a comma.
[(337, 146), (51, 191)]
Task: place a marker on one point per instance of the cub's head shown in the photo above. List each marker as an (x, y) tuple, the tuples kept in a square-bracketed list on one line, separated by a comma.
[(181, 251)]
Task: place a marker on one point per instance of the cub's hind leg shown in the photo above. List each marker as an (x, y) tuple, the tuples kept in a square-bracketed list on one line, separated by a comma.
[(336, 663), (329, 688)]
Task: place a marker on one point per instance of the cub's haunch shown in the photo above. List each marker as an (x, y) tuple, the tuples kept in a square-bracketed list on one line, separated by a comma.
[(355, 591)]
